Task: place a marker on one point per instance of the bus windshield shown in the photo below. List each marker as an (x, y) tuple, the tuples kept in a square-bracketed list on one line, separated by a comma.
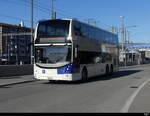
[(52, 30), (52, 54)]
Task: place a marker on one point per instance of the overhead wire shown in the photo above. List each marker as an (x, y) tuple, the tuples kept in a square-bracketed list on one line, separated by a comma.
[(46, 9)]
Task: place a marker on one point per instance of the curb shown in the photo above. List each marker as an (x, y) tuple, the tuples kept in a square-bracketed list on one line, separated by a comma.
[(15, 83), (134, 66)]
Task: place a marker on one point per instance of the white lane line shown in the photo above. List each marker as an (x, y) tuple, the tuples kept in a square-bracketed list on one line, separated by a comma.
[(126, 107)]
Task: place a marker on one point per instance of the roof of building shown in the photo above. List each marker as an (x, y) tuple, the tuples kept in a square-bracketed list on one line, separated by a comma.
[(15, 26)]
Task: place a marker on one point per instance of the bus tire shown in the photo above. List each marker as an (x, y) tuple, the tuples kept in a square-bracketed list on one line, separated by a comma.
[(84, 74), (111, 69), (107, 70)]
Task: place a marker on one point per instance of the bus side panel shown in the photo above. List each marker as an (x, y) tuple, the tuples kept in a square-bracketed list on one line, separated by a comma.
[(100, 69), (94, 69)]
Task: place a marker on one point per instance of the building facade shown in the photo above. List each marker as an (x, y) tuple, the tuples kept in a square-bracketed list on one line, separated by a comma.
[(135, 53), (15, 42)]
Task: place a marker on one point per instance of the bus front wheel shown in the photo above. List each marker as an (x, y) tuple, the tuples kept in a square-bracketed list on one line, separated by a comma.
[(107, 70)]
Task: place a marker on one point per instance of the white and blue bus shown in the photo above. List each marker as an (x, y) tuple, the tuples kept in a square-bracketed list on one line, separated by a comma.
[(70, 50)]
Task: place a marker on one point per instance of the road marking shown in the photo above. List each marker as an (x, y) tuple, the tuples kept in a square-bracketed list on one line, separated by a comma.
[(126, 107)]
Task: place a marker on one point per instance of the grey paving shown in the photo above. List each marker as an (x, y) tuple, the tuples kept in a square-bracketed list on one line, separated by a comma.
[(142, 101)]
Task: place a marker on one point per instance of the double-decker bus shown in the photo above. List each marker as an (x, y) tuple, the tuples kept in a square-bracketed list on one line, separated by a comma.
[(70, 50)]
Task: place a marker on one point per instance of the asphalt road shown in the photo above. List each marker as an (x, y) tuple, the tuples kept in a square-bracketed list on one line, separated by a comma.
[(117, 93)]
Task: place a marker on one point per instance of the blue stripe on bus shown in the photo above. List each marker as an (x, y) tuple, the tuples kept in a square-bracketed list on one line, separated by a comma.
[(69, 69)]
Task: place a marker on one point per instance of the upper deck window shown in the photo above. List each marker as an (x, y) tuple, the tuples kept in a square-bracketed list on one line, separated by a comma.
[(52, 30)]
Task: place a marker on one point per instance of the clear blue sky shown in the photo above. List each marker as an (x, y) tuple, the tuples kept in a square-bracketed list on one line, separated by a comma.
[(105, 12)]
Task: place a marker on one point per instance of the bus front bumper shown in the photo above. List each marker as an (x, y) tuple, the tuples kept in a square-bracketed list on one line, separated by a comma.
[(64, 77)]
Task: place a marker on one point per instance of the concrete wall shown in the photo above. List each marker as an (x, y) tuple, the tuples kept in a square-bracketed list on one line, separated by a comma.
[(12, 70)]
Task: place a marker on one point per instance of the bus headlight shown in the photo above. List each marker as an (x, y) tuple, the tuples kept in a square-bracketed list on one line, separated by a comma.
[(65, 70)]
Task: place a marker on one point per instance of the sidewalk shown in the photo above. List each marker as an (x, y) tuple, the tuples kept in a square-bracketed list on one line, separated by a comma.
[(4, 81)]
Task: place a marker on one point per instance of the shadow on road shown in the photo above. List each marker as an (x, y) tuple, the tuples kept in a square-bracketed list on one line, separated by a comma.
[(4, 87), (118, 74)]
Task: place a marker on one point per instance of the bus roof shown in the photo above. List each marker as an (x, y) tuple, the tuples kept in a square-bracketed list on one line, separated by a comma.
[(53, 19)]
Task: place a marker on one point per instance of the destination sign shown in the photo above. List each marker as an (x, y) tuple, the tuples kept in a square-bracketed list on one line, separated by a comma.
[(53, 39)]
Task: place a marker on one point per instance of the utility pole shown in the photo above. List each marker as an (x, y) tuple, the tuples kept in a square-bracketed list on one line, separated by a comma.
[(122, 32), (32, 32), (123, 39), (113, 29), (125, 50), (128, 37), (53, 13)]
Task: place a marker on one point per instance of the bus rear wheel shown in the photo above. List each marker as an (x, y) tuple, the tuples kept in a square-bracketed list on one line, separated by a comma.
[(84, 74), (111, 70)]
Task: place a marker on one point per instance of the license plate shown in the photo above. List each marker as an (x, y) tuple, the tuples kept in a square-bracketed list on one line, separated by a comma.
[(43, 71)]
